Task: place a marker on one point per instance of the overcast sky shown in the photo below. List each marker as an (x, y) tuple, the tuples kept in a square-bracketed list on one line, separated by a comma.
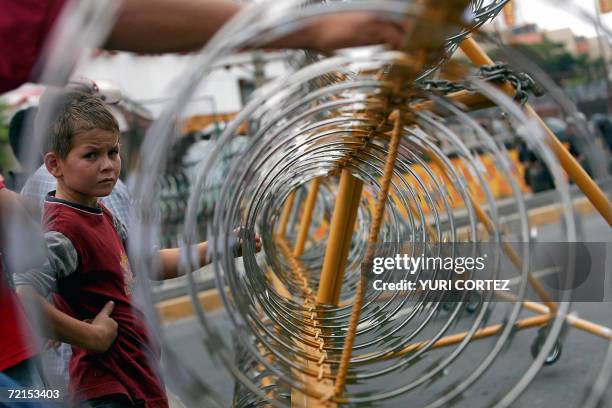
[(551, 15)]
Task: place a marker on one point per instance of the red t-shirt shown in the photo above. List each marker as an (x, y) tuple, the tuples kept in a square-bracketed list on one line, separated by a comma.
[(16, 344), (24, 26), (103, 273)]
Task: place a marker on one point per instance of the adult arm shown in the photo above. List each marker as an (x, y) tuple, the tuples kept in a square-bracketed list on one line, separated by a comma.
[(12, 205), (168, 25), (186, 25), (20, 228)]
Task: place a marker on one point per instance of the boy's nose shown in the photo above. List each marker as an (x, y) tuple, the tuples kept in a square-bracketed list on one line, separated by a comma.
[(106, 164)]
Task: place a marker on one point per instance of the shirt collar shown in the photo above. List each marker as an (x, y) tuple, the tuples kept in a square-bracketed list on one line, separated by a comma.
[(50, 198)]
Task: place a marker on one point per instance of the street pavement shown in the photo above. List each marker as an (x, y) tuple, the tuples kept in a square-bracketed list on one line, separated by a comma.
[(561, 385)]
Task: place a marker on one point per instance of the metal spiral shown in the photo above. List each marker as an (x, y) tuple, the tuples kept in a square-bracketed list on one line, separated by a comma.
[(310, 127)]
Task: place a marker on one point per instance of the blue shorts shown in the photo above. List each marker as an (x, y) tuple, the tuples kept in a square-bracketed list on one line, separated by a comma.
[(108, 401), (27, 373)]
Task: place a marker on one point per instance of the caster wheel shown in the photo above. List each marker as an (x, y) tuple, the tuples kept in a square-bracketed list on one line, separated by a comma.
[(450, 300), (537, 344), (474, 302), (448, 306)]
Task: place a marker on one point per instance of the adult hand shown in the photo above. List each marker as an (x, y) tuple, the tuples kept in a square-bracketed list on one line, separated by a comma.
[(104, 329), (352, 29), (49, 344)]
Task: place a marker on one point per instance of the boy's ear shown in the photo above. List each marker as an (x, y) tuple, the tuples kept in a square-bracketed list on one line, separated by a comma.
[(52, 163)]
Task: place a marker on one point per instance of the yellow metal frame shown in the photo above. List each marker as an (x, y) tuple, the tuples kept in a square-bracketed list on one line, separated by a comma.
[(347, 204)]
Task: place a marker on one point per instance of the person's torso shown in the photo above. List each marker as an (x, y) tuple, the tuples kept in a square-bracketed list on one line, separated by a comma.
[(104, 274), (24, 26), (16, 343)]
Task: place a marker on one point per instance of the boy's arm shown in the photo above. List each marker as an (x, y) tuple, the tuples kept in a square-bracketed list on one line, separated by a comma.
[(169, 260), (96, 336), (61, 261)]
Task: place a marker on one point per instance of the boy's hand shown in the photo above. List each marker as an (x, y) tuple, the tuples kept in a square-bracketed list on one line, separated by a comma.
[(104, 329), (240, 234), (257, 243)]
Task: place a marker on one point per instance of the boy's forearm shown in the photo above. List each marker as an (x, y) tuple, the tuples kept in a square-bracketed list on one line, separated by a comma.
[(58, 325), (203, 253), (170, 260)]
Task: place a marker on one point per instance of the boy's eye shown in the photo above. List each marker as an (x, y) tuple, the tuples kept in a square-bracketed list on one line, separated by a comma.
[(90, 155), (113, 152)]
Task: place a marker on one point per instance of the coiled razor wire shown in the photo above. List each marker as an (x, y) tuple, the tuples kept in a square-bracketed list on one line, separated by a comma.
[(302, 136), (314, 134), (479, 13)]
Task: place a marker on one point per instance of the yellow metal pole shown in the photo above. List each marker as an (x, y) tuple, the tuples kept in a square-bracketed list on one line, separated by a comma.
[(479, 334), (282, 229), (574, 321), (473, 100), (346, 245), (421, 45), (473, 51), (305, 221), (483, 217), (340, 226)]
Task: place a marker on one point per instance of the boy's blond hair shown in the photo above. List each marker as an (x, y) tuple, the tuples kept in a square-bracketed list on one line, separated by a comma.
[(68, 112)]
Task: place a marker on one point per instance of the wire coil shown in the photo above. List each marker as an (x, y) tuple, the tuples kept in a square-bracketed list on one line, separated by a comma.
[(309, 127), (327, 117)]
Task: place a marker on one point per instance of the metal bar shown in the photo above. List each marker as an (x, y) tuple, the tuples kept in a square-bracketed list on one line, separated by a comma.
[(331, 275), (581, 324), (348, 238), (473, 51), (483, 217), (282, 229), (306, 217)]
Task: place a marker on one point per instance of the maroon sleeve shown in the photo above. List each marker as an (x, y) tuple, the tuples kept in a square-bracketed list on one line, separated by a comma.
[(24, 26)]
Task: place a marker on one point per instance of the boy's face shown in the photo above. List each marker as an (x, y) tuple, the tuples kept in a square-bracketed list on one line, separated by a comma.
[(91, 168)]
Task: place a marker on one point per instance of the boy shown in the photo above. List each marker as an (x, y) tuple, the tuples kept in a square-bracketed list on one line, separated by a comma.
[(87, 263)]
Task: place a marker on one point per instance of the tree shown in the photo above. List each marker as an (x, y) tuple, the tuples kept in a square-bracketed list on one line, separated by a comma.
[(559, 64)]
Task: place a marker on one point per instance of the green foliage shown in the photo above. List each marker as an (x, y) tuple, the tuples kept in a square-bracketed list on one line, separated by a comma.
[(4, 127), (563, 67), (4, 135)]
